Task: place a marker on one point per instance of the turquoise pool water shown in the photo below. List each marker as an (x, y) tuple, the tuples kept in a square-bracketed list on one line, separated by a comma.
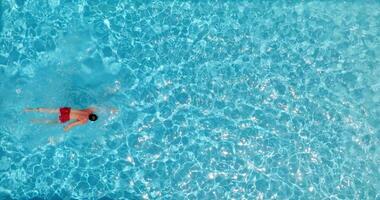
[(217, 100)]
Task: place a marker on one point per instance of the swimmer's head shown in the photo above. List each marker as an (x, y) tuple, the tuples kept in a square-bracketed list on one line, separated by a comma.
[(92, 117)]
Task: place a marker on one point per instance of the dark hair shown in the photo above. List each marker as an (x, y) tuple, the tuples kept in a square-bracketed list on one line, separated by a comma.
[(92, 117)]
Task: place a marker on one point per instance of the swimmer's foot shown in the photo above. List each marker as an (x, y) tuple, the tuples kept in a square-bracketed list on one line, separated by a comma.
[(29, 109)]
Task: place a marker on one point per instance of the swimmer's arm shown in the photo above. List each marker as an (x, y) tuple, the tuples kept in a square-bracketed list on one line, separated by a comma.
[(92, 109), (68, 127), (112, 109)]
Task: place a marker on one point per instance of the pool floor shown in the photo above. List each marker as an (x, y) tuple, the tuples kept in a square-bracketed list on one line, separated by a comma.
[(216, 100)]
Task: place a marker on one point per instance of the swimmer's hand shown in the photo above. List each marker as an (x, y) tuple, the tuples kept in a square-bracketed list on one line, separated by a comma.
[(114, 110), (67, 128)]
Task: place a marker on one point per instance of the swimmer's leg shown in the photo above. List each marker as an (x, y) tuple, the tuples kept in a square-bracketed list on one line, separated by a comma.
[(42, 110), (44, 121)]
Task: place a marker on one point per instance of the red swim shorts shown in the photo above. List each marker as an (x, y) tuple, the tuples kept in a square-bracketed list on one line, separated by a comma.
[(64, 114)]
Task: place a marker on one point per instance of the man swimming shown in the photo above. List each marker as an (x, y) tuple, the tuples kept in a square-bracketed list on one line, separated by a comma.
[(66, 114)]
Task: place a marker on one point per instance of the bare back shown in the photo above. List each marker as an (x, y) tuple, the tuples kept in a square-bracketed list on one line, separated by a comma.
[(81, 115)]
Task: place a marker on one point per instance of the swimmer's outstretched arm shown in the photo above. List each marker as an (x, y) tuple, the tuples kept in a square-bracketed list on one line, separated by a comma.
[(102, 109), (68, 127)]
